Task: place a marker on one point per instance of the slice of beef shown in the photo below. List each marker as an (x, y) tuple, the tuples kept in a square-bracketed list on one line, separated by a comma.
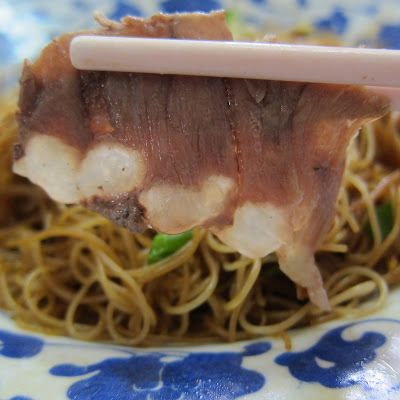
[(259, 163)]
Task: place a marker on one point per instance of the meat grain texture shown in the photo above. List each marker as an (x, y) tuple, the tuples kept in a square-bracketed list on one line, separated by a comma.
[(259, 163)]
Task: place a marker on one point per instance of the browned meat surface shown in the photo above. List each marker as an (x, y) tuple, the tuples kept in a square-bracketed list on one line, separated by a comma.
[(259, 163)]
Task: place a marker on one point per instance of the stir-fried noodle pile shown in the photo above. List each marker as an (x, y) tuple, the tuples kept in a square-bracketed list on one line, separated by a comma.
[(67, 271)]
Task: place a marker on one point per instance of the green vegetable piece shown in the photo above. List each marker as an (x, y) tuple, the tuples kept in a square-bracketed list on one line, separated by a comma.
[(385, 217), (164, 245), (230, 16)]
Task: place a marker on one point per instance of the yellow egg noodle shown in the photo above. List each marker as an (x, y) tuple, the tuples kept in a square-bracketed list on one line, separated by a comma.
[(67, 271)]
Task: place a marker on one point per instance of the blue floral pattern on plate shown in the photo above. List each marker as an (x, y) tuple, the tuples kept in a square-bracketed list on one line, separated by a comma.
[(154, 375), (20, 398), (333, 361), (172, 6), (19, 346)]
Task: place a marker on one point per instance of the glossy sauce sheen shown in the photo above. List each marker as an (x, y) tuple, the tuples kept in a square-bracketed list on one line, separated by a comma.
[(259, 163)]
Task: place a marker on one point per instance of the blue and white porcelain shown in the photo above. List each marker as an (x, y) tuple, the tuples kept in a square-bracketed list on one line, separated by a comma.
[(344, 359), (352, 360)]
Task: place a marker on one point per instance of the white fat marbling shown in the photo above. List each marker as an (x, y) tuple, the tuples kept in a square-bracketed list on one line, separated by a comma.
[(257, 230), (107, 170), (173, 209)]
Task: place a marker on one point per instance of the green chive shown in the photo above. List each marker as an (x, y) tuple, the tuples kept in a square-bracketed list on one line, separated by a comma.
[(385, 217), (164, 245)]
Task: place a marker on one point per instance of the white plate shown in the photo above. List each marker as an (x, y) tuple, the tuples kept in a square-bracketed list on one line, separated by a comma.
[(347, 359), (358, 359)]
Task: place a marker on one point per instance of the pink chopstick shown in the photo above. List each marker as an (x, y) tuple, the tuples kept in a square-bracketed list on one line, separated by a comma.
[(379, 69)]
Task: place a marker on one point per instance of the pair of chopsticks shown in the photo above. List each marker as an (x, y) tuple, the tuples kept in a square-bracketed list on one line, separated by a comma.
[(378, 69)]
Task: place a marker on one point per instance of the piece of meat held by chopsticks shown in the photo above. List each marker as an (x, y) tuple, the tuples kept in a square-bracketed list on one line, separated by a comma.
[(257, 162)]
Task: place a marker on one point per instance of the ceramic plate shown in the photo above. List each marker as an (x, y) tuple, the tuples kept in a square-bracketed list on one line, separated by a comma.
[(345, 359)]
